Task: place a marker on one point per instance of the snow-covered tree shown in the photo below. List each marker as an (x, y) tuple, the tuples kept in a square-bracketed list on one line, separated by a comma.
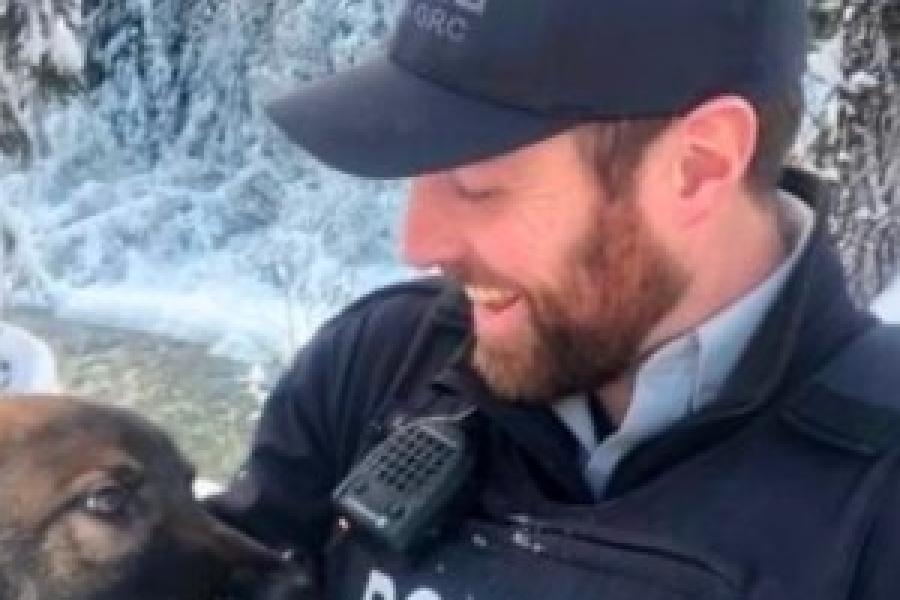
[(40, 56), (164, 171), (858, 142)]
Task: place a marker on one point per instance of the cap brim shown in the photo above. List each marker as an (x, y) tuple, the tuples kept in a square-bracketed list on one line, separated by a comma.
[(378, 120)]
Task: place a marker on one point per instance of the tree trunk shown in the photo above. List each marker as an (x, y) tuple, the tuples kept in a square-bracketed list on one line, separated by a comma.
[(863, 150)]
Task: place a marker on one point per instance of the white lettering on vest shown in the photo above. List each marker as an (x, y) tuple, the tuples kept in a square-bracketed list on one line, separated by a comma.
[(423, 594), (381, 587)]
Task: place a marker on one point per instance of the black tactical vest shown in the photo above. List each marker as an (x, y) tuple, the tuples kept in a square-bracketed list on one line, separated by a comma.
[(779, 510)]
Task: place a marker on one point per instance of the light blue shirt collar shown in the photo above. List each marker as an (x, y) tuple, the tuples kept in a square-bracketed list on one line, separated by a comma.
[(686, 374)]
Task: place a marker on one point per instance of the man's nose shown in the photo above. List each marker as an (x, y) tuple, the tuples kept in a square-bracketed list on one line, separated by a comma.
[(432, 231)]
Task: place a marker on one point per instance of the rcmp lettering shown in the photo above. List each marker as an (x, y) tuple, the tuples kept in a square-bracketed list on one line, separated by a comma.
[(440, 22), (444, 18), (381, 587)]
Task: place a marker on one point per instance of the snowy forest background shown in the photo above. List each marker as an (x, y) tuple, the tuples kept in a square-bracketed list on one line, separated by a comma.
[(142, 186), (145, 188)]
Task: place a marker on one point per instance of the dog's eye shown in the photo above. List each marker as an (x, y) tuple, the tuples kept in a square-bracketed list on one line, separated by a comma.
[(110, 501)]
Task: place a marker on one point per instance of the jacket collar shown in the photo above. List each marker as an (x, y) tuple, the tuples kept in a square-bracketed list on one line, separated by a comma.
[(813, 319)]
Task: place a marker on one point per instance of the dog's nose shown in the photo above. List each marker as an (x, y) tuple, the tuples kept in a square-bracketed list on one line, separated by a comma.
[(254, 571)]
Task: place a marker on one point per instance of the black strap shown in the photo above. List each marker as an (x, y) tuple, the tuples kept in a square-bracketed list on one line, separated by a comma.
[(440, 335), (854, 403)]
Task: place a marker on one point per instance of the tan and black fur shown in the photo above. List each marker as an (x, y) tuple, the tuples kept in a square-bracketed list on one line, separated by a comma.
[(96, 504)]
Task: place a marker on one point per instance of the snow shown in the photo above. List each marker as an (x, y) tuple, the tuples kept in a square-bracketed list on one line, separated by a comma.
[(824, 64), (525, 541), (887, 304), (242, 324), (65, 51), (821, 84), (204, 488), (166, 202), (27, 364), (163, 200)]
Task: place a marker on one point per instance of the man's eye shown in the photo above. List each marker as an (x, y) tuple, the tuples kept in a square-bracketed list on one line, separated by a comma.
[(475, 192), (478, 192), (479, 195), (110, 501)]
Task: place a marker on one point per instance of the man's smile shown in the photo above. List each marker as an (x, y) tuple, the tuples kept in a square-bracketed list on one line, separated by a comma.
[(490, 297), (495, 310)]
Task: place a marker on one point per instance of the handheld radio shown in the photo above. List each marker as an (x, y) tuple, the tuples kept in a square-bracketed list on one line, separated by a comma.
[(398, 492)]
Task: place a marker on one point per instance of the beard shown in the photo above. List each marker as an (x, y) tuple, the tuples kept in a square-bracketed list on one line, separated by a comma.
[(588, 329)]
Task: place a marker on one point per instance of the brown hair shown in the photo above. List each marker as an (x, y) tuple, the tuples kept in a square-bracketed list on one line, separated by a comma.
[(616, 148)]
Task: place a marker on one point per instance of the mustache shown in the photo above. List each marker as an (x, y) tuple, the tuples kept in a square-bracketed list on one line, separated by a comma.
[(462, 275)]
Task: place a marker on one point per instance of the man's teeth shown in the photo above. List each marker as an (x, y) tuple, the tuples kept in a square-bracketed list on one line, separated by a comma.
[(489, 296)]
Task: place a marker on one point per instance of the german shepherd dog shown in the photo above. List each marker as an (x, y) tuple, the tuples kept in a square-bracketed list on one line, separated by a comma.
[(96, 504)]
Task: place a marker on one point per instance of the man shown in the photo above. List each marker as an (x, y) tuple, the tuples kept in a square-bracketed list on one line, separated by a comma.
[(673, 395)]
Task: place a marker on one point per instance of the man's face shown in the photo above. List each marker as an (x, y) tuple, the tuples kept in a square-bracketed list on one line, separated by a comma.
[(565, 282)]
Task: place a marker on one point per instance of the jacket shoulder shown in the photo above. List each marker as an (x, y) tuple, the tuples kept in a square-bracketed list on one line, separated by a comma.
[(411, 296), (364, 348), (394, 314), (854, 402)]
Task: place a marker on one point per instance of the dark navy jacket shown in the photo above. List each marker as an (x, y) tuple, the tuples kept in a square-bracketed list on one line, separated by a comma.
[(786, 488)]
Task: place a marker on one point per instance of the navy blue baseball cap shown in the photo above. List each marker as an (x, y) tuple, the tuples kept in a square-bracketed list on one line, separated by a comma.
[(464, 80)]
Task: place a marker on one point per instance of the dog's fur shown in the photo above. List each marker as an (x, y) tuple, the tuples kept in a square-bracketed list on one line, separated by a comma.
[(96, 504)]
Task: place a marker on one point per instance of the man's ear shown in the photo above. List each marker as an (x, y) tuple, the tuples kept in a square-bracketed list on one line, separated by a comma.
[(715, 144)]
